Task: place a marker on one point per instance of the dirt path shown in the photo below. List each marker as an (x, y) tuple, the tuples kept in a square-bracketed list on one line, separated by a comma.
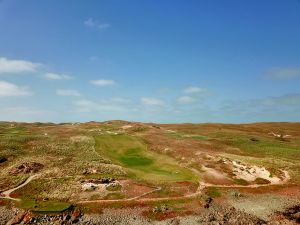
[(6, 194), (137, 199), (147, 193), (201, 186)]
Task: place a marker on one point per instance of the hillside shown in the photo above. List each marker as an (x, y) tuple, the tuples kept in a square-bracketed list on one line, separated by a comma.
[(152, 172)]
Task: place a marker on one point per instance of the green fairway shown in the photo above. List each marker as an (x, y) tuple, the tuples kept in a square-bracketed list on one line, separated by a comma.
[(131, 153)]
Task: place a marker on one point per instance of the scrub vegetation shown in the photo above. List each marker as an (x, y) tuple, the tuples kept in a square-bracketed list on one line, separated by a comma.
[(117, 164)]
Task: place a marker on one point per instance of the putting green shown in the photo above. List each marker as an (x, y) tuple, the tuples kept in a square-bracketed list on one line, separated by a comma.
[(132, 154)]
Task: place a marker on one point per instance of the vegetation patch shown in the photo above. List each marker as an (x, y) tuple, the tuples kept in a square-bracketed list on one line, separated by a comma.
[(40, 206), (213, 192), (240, 182), (131, 153)]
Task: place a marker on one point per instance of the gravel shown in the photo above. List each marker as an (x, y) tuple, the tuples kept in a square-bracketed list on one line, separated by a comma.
[(6, 214)]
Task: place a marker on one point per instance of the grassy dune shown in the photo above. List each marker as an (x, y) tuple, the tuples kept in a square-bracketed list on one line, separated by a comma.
[(145, 153), (131, 153)]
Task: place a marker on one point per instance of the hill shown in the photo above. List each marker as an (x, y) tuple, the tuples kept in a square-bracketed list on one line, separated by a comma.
[(164, 170)]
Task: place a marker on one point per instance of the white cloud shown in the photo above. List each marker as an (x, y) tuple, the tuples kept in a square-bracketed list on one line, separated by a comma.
[(103, 25), (9, 89), (93, 23), (186, 100), (84, 103), (22, 110), (289, 102), (282, 74), (152, 102), (68, 92), (104, 105), (56, 76), (89, 22), (17, 66), (24, 114), (195, 90), (121, 100), (103, 83)]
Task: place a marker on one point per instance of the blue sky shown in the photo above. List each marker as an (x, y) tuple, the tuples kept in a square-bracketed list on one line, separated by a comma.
[(166, 61)]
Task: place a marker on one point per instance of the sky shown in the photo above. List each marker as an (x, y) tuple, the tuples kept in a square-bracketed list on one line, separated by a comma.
[(164, 61)]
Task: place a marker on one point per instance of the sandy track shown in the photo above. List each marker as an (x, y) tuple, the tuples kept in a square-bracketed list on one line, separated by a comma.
[(202, 185), (6, 194)]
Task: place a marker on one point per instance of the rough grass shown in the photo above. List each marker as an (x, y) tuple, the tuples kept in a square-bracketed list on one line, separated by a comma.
[(187, 136), (67, 151), (131, 153), (213, 192), (265, 147), (48, 206)]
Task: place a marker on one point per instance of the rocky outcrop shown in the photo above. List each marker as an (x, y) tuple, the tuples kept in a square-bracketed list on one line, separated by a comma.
[(27, 167), (26, 217)]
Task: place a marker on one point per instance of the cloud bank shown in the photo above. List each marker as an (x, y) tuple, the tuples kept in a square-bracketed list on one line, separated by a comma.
[(9, 89), (13, 66)]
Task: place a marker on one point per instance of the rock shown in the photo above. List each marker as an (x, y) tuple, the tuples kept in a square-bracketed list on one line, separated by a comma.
[(27, 218), (88, 186), (66, 217), (18, 218), (175, 221), (156, 209), (2, 159), (206, 205), (58, 222), (208, 200), (162, 208), (296, 216), (236, 194), (27, 167), (75, 215)]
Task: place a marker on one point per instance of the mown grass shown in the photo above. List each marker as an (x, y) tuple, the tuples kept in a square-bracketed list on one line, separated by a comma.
[(131, 153)]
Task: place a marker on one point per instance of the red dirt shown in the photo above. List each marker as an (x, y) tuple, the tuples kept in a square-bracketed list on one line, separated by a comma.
[(15, 195), (132, 189), (293, 191)]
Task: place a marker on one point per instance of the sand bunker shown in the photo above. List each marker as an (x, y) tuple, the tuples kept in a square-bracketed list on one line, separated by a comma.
[(251, 173)]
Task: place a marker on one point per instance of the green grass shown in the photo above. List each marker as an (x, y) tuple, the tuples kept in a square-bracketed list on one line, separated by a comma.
[(44, 206), (240, 182), (131, 153), (115, 195), (133, 157), (213, 192), (262, 148)]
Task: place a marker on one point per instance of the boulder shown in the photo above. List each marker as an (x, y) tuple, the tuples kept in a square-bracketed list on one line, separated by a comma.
[(75, 215)]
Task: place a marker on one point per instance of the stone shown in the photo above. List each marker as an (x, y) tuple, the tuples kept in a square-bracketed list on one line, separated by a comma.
[(27, 218), (18, 218)]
